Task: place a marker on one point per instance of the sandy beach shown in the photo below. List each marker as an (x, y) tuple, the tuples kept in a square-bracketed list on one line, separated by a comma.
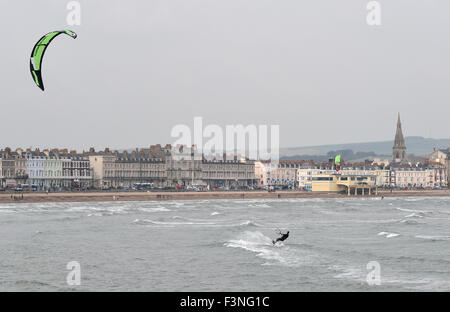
[(148, 196)]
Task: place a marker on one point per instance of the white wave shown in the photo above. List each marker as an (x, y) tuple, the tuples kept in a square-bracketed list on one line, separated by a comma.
[(2, 210), (113, 210), (385, 221), (255, 242), (434, 237), (413, 199), (388, 234), (181, 221), (190, 219), (263, 247), (155, 209), (412, 210), (146, 221), (259, 205), (249, 223), (215, 213), (415, 215), (96, 214), (409, 221), (139, 221)]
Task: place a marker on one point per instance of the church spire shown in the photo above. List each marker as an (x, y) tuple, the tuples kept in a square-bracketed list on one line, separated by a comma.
[(399, 148)]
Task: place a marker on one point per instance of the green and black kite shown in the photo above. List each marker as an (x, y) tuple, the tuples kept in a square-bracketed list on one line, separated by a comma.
[(38, 53), (337, 162)]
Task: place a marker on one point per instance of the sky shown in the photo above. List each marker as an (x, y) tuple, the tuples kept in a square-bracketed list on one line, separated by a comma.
[(139, 68)]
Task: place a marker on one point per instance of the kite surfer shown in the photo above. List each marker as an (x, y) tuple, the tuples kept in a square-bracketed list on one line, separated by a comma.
[(282, 238)]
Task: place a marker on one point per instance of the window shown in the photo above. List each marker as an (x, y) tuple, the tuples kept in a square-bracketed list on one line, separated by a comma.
[(322, 178)]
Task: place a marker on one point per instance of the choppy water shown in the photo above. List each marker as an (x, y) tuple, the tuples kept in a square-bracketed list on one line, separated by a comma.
[(225, 245)]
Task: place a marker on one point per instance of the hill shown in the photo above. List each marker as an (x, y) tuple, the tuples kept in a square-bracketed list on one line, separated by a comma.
[(419, 146)]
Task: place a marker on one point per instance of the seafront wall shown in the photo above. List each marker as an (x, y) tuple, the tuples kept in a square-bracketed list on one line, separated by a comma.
[(147, 196)]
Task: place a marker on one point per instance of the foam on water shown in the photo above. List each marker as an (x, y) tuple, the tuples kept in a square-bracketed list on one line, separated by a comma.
[(4, 210), (262, 246), (191, 219), (434, 237), (415, 215), (154, 209), (420, 212), (388, 234), (409, 222), (195, 222), (95, 214), (249, 223), (172, 223), (259, 205)]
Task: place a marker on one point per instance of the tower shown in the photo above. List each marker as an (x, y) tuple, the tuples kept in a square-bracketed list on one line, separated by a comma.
[(399, 148)]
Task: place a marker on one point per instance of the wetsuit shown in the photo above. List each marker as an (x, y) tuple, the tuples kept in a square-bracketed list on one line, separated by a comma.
[(282, 238)]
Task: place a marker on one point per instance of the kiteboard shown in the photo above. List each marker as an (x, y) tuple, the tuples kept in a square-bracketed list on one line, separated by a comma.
[(278, 231)]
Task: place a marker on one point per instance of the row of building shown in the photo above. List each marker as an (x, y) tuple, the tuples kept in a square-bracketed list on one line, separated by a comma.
[(45, 170), (167, 167), (400, 172), (157, 166), (182, 167), (305, 174)]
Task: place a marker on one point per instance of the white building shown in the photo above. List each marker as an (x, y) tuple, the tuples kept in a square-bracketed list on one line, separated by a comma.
[(423, 177)]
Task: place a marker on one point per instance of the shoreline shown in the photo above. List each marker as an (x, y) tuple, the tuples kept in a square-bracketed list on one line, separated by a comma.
[(161, 196)]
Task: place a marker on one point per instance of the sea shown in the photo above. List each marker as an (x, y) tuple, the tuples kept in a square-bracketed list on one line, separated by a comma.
[(335, 244)]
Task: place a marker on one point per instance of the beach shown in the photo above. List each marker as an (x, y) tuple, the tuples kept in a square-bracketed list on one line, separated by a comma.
[(151, 195)]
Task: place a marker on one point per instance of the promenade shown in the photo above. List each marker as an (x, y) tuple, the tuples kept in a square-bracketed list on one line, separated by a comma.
[(151, 195)]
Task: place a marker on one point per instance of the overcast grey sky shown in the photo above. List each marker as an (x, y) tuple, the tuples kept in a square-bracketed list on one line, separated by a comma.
[(138, 68)]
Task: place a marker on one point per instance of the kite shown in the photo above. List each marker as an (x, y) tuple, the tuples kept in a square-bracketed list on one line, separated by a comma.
[(38, 53), (337, 162)]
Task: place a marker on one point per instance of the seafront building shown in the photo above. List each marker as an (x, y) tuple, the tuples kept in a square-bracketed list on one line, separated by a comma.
[(347, 183), (280, 174), (119, 170), (405, 176), (7, 166), (305, 175), (46, 170), (228, 174), (182, 167), (54, 170), (169, 167), (420, 176), (441, 157)]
